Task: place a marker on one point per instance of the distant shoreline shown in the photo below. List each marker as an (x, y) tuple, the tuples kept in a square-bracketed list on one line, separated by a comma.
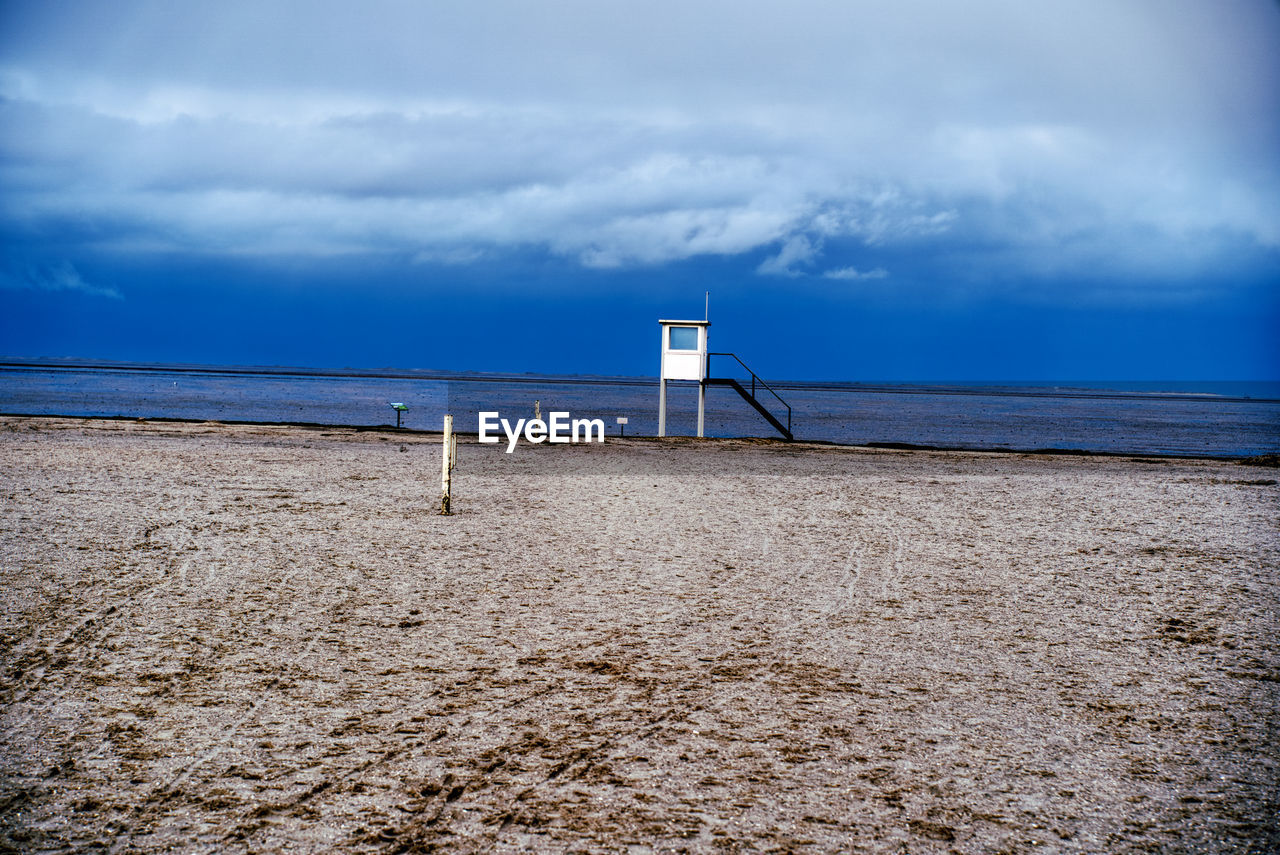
[(1272, 460), (994, 389)]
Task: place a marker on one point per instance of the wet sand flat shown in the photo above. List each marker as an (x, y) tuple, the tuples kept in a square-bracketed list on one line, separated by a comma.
[(222, 638)]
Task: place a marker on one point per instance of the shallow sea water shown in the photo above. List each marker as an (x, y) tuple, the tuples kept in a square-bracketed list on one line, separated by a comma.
[(1222, 419)]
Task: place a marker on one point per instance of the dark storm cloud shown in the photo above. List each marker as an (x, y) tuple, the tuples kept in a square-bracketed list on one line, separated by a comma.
[(1029, 139)]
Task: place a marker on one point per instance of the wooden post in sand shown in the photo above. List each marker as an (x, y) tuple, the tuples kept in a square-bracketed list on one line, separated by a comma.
[(448, 461)]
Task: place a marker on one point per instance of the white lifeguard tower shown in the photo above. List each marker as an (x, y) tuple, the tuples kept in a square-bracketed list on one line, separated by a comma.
[(684, 357)]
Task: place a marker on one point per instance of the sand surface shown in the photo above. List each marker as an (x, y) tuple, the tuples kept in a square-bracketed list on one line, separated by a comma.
[(246, 639)]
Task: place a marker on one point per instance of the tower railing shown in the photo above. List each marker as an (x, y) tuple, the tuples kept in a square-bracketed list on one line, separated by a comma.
[(752, 397)]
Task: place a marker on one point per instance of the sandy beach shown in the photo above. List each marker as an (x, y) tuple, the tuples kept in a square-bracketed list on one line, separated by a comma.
[(220, 638)]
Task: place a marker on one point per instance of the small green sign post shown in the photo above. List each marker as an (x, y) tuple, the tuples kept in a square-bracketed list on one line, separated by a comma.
[(399, 408)]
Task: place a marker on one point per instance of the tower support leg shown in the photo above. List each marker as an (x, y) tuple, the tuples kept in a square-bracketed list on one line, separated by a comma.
[(662, 407), (702, 403)]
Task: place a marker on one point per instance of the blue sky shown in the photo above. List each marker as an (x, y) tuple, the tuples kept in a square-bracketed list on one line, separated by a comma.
[(876, 191)]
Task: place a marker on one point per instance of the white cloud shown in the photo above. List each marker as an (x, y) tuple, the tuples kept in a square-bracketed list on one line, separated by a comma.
[(852, 273), (61, 276), (451, 256), (797, 251)]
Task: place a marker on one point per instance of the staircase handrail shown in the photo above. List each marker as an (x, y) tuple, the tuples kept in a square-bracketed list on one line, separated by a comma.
[(754, 380)]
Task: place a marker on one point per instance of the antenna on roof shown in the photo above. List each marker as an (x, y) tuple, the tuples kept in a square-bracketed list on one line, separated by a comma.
[(706, 312)]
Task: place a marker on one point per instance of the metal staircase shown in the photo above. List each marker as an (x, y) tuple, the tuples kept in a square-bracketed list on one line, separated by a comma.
[(750, 396)]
